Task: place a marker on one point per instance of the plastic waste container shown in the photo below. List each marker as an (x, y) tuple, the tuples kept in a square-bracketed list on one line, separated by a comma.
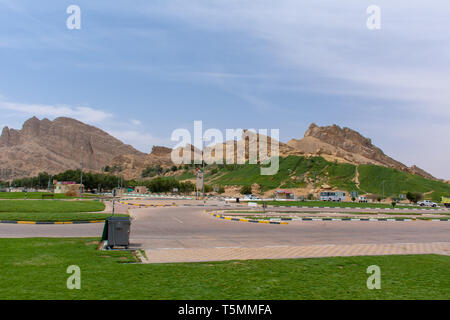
[(117, 231)]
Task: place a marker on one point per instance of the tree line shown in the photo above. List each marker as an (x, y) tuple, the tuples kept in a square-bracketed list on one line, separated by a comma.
[(100, 181)]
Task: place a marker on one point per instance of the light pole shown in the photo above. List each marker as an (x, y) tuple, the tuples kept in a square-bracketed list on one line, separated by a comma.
[(81, 180), (203, 170), (290, 181)]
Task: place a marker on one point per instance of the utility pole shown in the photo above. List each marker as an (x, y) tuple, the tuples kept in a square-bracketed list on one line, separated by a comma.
[(81, 180), (314, 172), (290, 181), (203, 171), (383, 188)]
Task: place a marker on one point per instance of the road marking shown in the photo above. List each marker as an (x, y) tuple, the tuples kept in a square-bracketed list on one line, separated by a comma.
[(177, 220), (280, 246)]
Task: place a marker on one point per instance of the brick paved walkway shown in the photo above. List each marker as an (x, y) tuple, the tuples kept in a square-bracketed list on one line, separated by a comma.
[(168, 255)]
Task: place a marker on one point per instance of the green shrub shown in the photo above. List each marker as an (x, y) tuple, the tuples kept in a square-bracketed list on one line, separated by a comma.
[(246, 190)]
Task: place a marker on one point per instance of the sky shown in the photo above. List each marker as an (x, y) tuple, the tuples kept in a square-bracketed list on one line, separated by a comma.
[(141, 69)]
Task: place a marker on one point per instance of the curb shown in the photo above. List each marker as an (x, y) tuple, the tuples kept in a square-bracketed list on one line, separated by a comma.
[(148, 205), (356, 219), (359, 208), (140, 205), (51, 222), (242, 220)]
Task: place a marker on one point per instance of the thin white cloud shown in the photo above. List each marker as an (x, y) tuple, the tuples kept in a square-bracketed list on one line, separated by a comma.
[(136, 122), (407, 60), (82, 113)]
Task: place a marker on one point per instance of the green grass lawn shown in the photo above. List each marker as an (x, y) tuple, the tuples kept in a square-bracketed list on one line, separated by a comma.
[(49, 206), (38, 195), (36, 269), (51, 210), (55, 216)]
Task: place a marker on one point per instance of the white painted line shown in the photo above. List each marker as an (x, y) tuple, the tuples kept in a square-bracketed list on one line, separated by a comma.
[(281, 246), (177, 220)]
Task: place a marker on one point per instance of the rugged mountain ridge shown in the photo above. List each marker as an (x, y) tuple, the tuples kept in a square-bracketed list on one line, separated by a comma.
[(347, 145), (61, 144), (55, 146)]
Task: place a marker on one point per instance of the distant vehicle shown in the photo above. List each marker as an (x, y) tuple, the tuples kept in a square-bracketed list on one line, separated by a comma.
[(362, 199), (337, 196), (427, 203), (250, 197), (446, 201)]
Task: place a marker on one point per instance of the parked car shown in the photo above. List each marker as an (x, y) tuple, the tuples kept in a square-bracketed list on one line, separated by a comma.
[(362, 199), (427, 203), (250, 197)]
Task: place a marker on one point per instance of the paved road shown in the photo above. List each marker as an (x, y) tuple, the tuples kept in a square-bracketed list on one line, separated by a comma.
[(185, 227), (176, 234), (158, 228), (51, 230)]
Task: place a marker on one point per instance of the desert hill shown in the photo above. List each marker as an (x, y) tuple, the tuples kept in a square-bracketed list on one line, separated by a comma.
[(55, 146), (347, 145)]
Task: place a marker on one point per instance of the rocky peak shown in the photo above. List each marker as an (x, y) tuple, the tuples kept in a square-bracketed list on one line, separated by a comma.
[(337, 135), (160, 151), (347, 145), (55, 146), (9, 137)]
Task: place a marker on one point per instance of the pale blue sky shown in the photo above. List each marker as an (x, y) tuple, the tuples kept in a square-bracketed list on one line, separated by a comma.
[(140, 69)]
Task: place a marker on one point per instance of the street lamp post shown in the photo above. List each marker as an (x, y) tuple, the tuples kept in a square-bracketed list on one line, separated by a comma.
[(290, 181), (81, 179), (203, 171)]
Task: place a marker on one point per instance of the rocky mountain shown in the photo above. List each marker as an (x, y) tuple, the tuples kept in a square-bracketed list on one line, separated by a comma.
[(132, 164), (62, 144), (55, 146), (347, 145)]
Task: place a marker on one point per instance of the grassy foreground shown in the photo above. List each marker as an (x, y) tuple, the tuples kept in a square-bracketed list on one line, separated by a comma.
[(51, 210), (55, 216), (36, 269), (38, 195), (49, 206)]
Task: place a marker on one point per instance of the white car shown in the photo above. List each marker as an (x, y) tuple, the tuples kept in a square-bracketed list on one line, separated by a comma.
[(250, 197), (427, 203)]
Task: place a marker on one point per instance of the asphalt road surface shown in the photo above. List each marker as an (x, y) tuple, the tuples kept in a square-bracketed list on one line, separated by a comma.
[(189, 227), (157, 228)]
